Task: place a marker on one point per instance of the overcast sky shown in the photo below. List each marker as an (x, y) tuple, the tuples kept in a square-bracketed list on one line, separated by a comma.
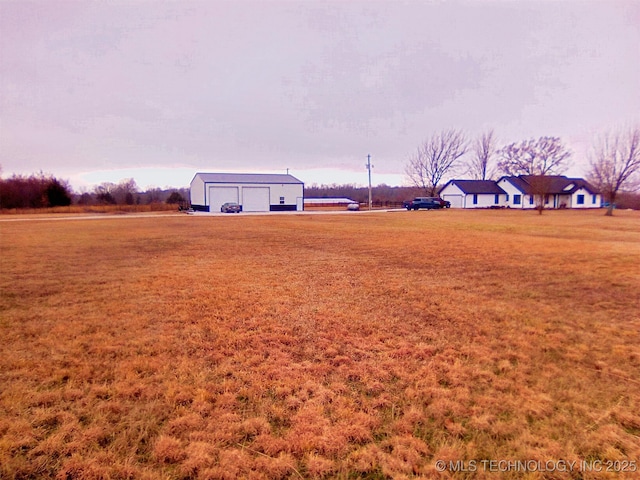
[(157, 90)]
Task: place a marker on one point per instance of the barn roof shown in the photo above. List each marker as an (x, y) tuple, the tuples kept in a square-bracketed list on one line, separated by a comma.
[(247, 178)]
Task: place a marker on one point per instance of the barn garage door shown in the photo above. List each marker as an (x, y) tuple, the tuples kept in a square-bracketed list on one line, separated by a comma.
[(220, 195), (456, 200), (255, 199)]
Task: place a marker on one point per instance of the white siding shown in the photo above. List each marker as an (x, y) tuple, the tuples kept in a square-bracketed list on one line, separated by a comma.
[(219, 195), (587, 199), (197, 191), (457, 201), (598, 201), (484, 200), (511, 190), (529, 201), (255, 199), (452, 193), (290, 191)]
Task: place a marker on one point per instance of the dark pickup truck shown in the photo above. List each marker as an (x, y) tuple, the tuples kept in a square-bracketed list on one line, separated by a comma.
[(428, 203)]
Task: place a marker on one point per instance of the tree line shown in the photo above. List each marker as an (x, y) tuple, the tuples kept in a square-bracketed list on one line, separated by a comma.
[(44, 191), (126, 192), (35, 191)]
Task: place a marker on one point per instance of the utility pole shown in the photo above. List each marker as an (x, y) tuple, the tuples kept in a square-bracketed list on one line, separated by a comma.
[(369, 167)]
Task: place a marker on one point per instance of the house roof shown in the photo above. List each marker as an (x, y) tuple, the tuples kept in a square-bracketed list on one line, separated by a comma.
[(582, 183), (557, 184), (247, 178), (477, 186)]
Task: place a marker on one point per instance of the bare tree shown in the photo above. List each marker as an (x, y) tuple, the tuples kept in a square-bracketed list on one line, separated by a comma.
[(538, 158), (615, 164), (436, 157), (545, 156), (124, 191), (104, 193), (481, 164)]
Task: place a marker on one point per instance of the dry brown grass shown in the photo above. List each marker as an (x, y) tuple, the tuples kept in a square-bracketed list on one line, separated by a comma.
[(75, 209), (318, 346)]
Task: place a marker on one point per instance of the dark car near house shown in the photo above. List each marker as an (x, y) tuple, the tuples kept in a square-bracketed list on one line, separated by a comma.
[(427, 203), (443, 203)]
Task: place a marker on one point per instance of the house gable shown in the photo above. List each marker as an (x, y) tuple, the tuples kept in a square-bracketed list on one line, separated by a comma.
[(451, 189), (514, 183)]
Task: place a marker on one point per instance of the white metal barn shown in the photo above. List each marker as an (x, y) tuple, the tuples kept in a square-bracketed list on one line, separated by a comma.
[(255, 192)]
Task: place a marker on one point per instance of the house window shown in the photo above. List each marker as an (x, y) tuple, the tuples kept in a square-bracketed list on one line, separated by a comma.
[(507, 198), (496, 199), (593, 199), (517, 199), (530, 199), (580, 199), (475, 198), (546, 199), (281, 200)]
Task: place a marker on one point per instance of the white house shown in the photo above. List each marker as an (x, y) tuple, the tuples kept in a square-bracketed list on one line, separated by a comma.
[(255, 192), (559, 192), (523, 191), (473, 194)]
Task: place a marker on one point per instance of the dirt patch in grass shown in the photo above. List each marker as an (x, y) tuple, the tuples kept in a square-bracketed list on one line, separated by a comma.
[(318, 346)]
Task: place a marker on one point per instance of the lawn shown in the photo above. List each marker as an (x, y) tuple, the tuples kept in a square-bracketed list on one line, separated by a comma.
[(365, 345)]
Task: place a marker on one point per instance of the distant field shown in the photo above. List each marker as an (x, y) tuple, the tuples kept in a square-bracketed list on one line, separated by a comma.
[(321, 346)]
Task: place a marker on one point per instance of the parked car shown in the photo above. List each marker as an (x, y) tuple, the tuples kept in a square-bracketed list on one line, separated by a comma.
[(353, 207), (230, 207), (427, 203)]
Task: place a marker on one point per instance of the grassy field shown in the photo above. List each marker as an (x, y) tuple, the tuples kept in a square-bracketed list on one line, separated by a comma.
[(90, 209), (320, 346)]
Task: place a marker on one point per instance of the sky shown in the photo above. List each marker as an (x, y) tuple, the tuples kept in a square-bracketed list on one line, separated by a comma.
[(95, 91)]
